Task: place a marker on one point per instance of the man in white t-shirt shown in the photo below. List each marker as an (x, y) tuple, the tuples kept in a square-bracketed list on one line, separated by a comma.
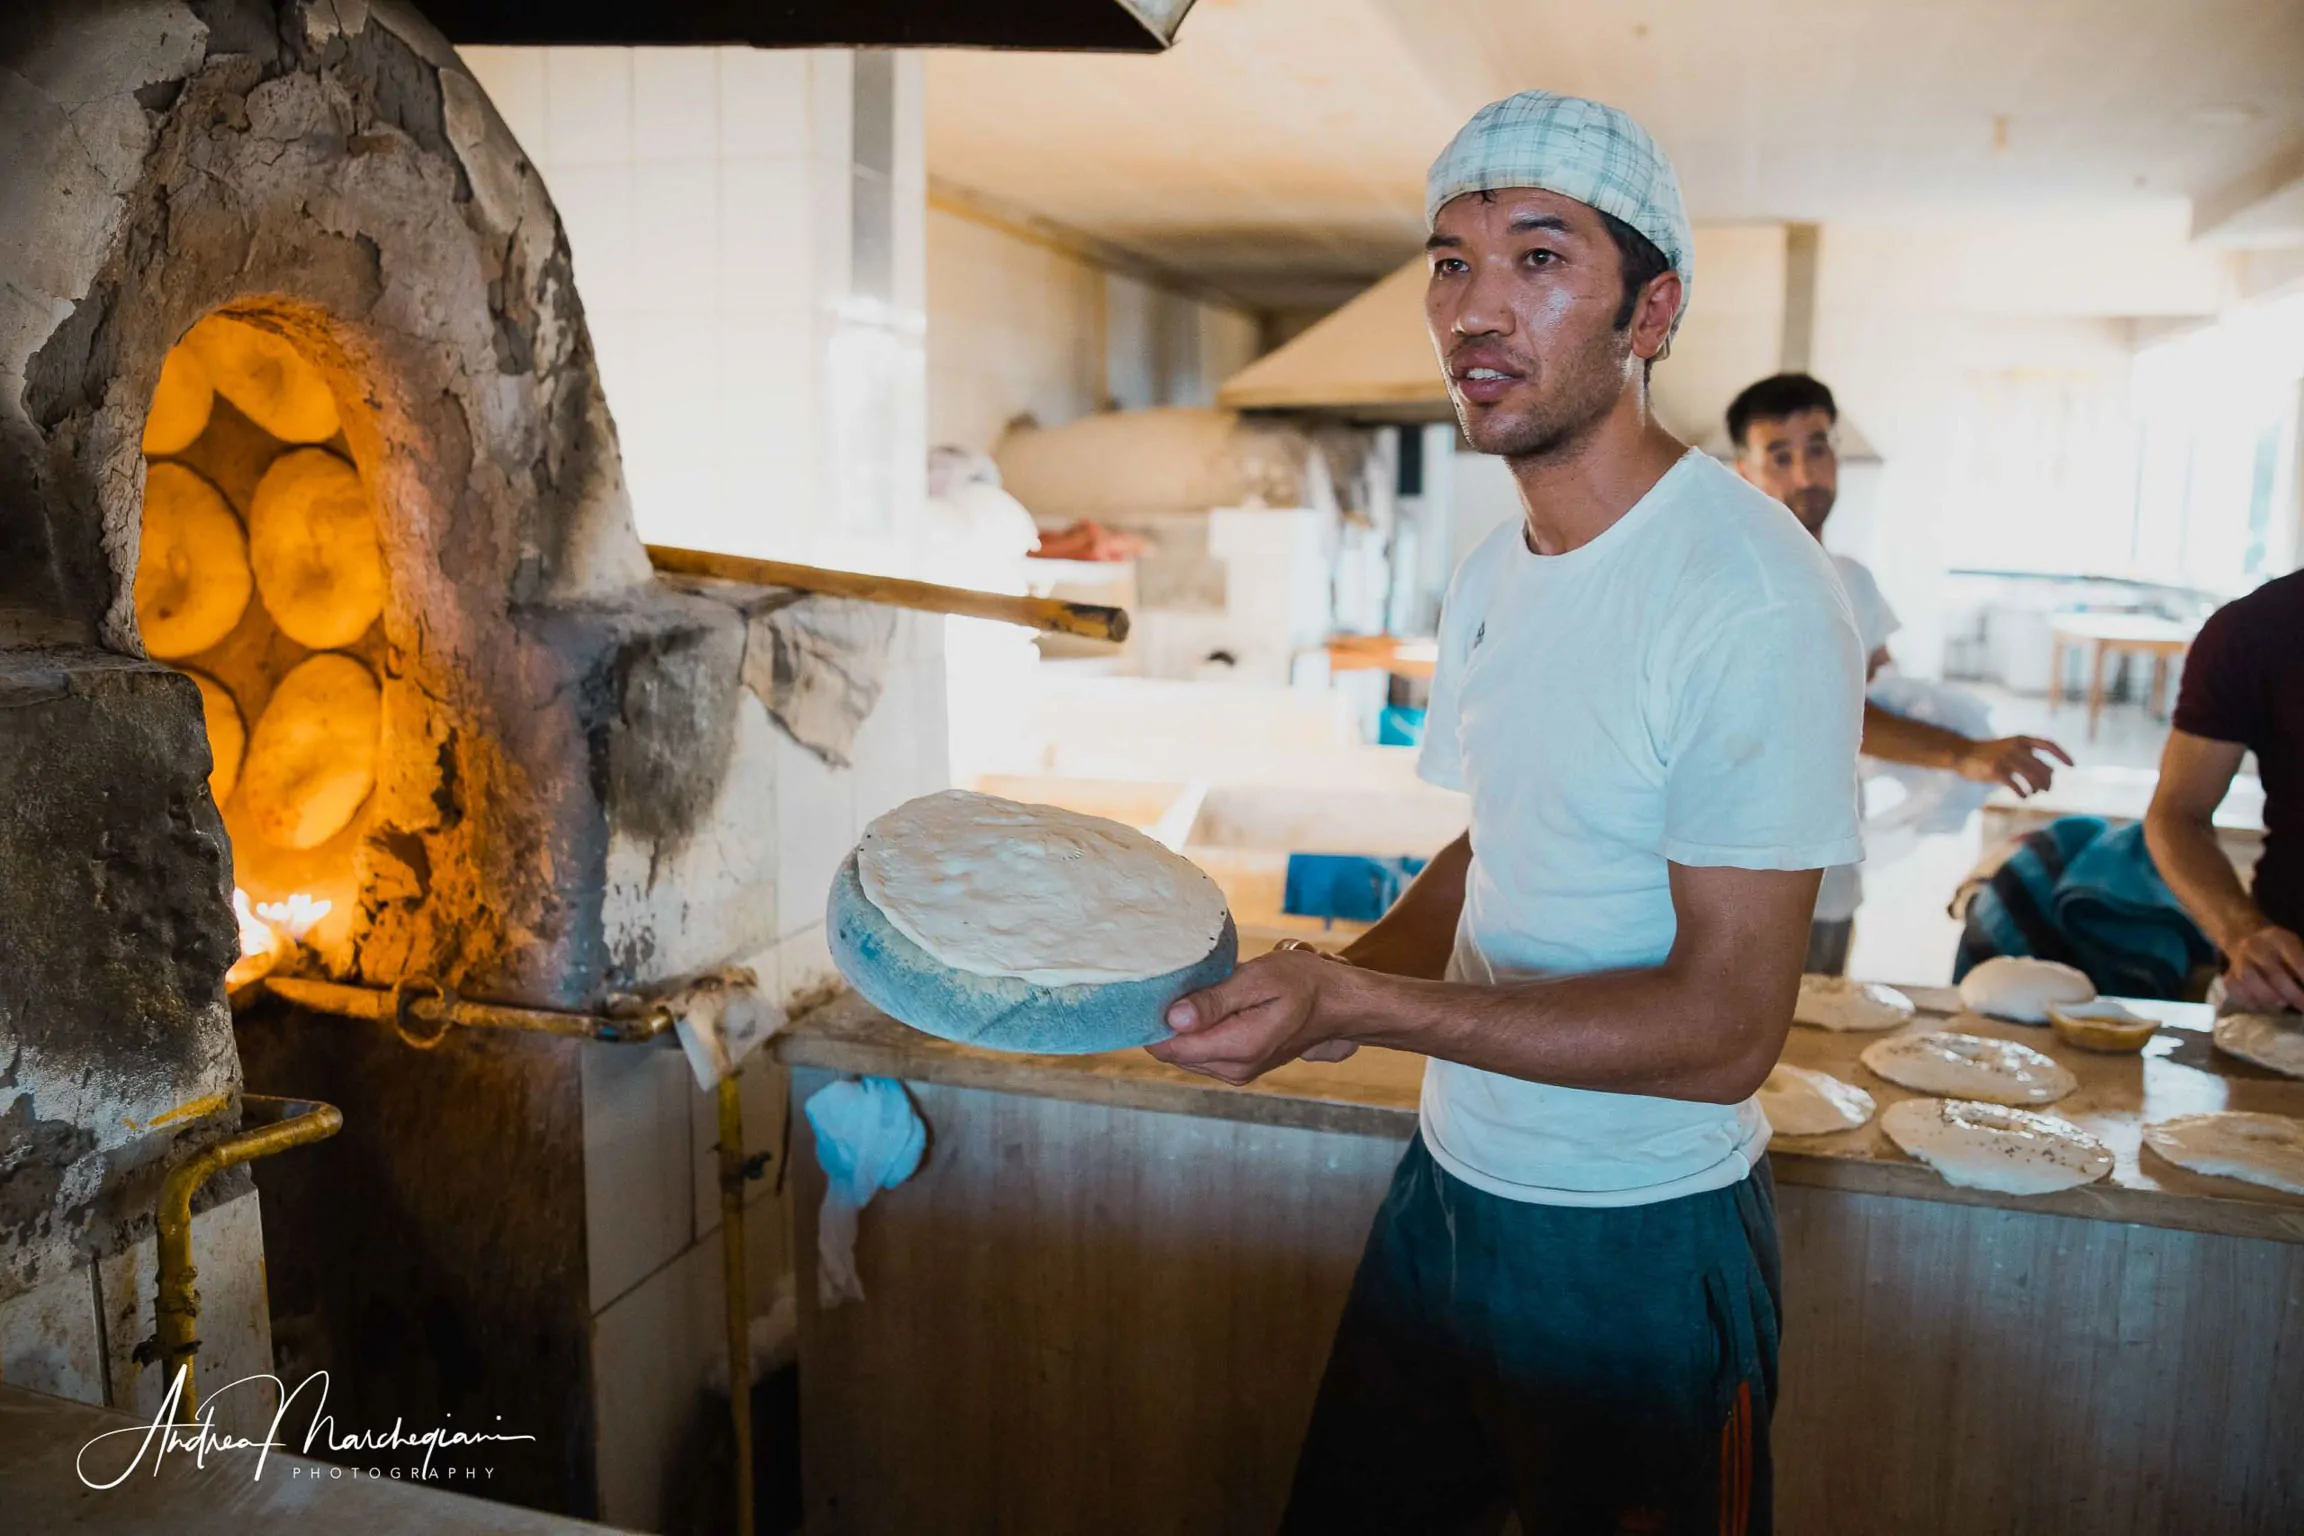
[(1784, 430), (1650, 688)]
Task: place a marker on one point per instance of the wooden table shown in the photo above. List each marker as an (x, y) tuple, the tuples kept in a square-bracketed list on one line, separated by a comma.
[(2139, 633), (1105, 1301), (1402, 656)]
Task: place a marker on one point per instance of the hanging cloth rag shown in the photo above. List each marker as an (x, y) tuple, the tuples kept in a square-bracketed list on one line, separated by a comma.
[(868, 1138)]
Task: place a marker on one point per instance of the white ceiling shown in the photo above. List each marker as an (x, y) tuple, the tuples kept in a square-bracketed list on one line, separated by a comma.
[(1278, 150)]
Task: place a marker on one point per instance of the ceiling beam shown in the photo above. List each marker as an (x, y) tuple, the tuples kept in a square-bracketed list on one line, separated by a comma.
[(2262, 207)]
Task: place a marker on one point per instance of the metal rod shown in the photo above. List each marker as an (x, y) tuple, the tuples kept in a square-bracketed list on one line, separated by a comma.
[(176, 1306), (1091, 620), (420, 1000), (733, 1175)]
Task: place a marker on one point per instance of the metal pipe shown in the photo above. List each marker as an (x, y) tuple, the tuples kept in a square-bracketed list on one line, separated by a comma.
[(284, 1123), (734, 1173), (422, 1001)]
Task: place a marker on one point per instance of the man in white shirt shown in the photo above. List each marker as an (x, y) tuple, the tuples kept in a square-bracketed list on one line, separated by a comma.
[(1784, 430), (1650, 687)]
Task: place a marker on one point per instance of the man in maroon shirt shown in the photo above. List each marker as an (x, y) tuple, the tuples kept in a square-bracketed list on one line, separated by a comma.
[(2243, 692)]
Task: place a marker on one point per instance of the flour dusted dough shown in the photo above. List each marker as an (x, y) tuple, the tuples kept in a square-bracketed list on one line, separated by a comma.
[(2274, 1040), (1990, 1146), (227, 735), (1049, 896), (273, 384), (1800, 1101), (192, 579), (313, 758), (1835, 1002), (1970, 1067), (181, 402), (312, 541), (2019, 989), (2237, 1144)]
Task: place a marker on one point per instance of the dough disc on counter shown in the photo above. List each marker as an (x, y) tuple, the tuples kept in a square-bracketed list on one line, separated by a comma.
[(312, 541), (1962, 1066), (2274, 1040), (1047, 896), (2236, 1144), (192, 580), (313, 758), (1990, 1146), (1800, 1101), (2019, 989), (1836, 1003)]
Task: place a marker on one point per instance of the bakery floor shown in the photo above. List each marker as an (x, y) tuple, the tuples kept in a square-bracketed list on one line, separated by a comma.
[(1902, 930)]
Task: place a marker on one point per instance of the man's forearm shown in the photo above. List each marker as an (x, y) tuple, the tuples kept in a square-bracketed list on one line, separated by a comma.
[(1898, 738), (2185, 850), (1416, 937), (1650, 1031)]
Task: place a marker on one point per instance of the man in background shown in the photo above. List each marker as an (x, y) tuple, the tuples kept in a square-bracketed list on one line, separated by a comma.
[(2243, 692), (1784, 430)]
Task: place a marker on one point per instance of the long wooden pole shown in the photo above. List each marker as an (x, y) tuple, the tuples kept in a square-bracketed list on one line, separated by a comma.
[(1047, 613)]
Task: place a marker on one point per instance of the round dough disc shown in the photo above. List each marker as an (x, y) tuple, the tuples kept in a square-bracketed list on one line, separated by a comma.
[(273, 384), (1047, 896), (1800, 1101), (2019, 989), (2235, 1144), (1990, 1146), (312, 540), (313, 758), (192, 579), (2274, 1040), (1835, 1002), (227, 736), (181, 402), (1970, 1067)]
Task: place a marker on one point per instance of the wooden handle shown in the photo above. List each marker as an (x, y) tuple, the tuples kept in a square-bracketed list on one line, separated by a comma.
[(1047, 613)]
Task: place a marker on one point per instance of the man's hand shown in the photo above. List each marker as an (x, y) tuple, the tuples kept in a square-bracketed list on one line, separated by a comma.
[(2265, 970), (1269, 1012), (2020, 762)]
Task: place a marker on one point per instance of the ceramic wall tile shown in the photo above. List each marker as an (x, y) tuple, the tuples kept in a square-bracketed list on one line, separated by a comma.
[(588, 105)]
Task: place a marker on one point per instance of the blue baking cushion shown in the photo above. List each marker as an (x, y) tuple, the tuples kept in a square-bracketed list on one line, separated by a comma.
[(1351, 887), (1002, 1013)]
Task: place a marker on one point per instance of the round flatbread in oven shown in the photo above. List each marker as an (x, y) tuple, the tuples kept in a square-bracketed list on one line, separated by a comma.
[(192, 576), (227, 735), (181, 403), (1992, 1146), (312, 541), (312, 760), (1960, 1066), (273, 384)]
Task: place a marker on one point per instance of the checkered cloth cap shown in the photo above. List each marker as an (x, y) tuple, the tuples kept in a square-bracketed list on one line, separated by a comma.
[(1577, 148)]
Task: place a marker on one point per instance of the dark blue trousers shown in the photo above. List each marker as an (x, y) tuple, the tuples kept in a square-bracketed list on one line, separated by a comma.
[(1594, 1369)]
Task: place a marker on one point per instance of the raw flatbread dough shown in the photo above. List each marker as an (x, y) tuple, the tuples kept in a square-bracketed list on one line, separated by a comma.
[(1049, 896), (2019, 989), (1800, 1101), (192, 579), (181, 402), (1990, 1146), (313, 758), (273, 384), (2274, 1040), (1970, 1067), (312, 541), (2236, 1144), (1835, 1002), (227, 735)]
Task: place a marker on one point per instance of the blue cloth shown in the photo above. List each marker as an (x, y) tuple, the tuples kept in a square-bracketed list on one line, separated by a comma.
[(1599, 1368), (1355, 887), (1400, 726), (2086, 893)]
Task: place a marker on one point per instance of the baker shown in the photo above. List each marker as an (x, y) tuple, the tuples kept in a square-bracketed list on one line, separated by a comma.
[(1784, 431), (2243, 691), (1650, 686)]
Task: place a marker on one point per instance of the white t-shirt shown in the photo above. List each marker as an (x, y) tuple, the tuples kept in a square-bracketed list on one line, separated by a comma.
[(1686, 688), (1842, 890)]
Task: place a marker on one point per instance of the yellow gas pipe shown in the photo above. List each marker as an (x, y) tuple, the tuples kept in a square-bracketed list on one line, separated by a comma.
[(176, 1310)]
